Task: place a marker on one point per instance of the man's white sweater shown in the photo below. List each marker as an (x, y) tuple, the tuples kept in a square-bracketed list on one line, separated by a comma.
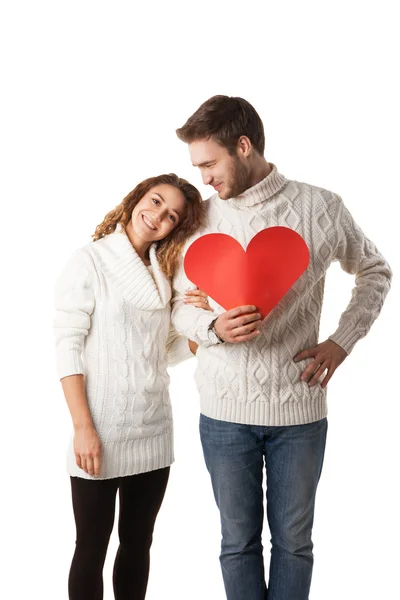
[(113, 326), (258, 382)]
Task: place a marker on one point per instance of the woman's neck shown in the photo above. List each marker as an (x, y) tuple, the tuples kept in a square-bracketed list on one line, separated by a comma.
[(141, 248)]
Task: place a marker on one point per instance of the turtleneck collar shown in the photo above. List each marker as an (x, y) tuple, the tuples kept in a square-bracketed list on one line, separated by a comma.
[(263, 190), (127, 272)]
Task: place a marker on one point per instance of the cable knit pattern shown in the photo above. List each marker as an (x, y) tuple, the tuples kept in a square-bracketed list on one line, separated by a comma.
[(258, 382), (112, 325)]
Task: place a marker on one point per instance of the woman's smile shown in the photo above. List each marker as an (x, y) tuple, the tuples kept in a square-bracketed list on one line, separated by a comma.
[(149, 223)]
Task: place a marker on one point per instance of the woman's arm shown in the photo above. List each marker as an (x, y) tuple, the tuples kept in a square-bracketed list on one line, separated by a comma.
[(177, 344), (74, 302), (87, 445), (199, 299)]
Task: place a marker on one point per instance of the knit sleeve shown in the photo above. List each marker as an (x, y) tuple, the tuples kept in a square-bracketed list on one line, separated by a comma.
[(359, 256), (177, 347), (74, 303), (189, 320)]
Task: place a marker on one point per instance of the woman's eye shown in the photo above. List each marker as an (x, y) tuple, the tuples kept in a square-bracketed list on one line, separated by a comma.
[(172, 218), (156, 201)]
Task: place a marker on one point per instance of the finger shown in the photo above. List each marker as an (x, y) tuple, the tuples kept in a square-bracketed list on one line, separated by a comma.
[(318, 374), (194, 299), (244, 320), (244, 338), (310, 370), (201, 304), (78, 460), (240, 310), (89, 465), (204, 306), (308, 353), (197, 293), (245, 330), (327, 377), (96, 465)]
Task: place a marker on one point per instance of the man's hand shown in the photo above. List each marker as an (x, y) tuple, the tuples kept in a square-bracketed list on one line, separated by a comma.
[(238, 324), (327, 356)]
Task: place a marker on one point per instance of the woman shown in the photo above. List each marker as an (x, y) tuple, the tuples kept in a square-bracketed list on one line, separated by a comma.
[(114, 342)]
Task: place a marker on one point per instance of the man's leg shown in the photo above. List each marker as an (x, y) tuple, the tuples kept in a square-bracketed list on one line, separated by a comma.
[(234, 458), (294, 457)]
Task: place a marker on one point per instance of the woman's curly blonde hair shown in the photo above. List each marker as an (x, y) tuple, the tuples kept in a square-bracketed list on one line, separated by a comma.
[(169, 249)]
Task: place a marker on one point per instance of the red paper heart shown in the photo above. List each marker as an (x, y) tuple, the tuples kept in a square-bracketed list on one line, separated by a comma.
[(274, 260)]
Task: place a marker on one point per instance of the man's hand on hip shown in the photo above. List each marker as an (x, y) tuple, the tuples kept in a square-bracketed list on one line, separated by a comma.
[(327, 356), (239, 324)]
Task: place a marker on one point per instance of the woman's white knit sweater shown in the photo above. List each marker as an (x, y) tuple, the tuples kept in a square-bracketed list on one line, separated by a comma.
[(258, 382), (113, 326)]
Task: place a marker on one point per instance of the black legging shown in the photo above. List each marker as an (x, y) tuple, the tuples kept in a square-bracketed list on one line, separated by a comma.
[(140, 498)]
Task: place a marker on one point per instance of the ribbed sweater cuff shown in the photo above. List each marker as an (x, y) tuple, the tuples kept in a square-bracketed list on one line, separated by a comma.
[(179, 351), (69, 363), (346, 338), (202, 324)]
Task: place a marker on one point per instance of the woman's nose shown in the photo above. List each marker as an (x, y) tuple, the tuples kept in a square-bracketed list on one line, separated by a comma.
[(160, 214)]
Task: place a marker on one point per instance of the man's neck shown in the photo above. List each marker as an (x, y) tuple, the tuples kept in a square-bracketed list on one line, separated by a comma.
[(267, 181), (259, 172)]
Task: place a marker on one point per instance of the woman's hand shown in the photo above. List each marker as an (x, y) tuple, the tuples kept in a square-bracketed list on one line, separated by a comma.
[(87, 448), (197, 298), (193, 346)]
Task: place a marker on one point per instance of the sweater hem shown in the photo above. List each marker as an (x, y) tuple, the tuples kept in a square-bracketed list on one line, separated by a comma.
[(122, 459), (271, 414)]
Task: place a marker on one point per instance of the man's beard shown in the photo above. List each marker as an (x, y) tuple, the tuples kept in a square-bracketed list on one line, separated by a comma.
[(239, 179)]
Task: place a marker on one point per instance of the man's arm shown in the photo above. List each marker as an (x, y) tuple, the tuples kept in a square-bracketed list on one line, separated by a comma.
[(233, 326), (357, 256)]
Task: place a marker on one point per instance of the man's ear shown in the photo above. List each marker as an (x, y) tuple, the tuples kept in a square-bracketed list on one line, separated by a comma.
[(244, 146)]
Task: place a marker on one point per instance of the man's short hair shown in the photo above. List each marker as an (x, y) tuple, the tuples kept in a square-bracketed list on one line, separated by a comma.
[(225, 119)]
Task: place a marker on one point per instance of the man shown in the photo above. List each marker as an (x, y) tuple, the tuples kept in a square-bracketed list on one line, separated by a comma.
[(263, 383)]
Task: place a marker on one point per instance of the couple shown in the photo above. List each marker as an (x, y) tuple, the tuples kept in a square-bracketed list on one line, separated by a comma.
[(125, 311)]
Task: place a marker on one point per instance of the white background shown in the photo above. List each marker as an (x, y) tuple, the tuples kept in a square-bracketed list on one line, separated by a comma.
[(92, 93)]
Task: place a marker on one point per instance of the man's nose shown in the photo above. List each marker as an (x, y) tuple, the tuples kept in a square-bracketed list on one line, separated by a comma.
[(207, 178)]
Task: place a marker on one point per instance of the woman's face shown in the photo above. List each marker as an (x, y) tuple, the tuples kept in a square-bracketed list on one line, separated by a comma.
[(158, 213)]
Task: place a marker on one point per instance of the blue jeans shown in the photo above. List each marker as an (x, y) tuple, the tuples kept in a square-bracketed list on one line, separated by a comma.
[(293, 456)]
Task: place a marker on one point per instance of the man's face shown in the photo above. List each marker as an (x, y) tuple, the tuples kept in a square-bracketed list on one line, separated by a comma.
[(229, 175)]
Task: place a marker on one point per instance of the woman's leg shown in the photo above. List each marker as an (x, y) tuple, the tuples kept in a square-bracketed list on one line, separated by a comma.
[(94, 507), (140, 498)]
